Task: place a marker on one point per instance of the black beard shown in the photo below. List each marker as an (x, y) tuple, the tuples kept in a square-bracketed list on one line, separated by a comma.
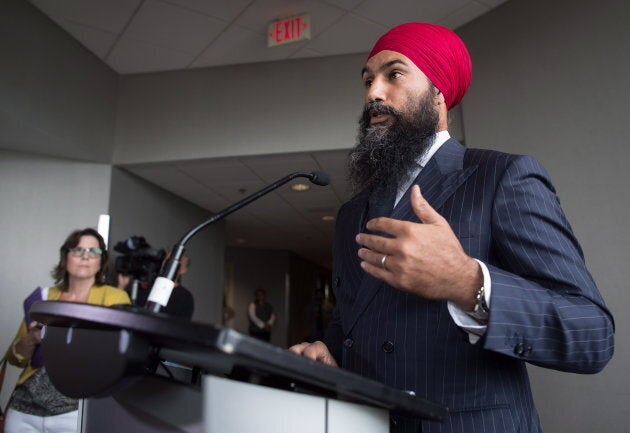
[(386, 154)]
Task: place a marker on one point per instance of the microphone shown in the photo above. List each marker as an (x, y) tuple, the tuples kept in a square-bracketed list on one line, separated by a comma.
[(320, 178), (163, 285)]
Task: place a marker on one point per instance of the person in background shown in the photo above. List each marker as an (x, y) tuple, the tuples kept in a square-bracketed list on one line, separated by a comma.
[(261, 316), (180, 304), (453, 267), (36, 405)]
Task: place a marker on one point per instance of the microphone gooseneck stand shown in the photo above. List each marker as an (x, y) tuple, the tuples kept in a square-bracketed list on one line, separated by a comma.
[(163, 285)]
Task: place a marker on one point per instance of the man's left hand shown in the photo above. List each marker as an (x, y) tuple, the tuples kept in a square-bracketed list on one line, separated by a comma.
[(425, 259)]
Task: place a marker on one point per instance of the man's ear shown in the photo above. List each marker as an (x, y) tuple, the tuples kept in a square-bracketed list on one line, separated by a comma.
[(440, 105), (440, 97)]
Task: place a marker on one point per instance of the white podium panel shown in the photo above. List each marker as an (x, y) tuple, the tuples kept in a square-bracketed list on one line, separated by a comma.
[(346, 417), (239, 407)]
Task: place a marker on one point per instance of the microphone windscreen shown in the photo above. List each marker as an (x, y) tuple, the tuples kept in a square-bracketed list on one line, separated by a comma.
[(320, 178)]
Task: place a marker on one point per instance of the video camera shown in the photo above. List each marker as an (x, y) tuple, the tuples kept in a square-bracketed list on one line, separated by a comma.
[(139, 259)]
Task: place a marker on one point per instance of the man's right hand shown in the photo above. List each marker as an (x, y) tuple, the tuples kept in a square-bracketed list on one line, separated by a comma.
[(316, 351)]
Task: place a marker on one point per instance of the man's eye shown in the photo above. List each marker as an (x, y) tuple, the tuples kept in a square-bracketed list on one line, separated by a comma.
[(367, 83), (394, 74)]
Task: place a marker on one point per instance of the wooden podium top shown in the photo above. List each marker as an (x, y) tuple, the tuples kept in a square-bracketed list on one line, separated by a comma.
[(75, 331)]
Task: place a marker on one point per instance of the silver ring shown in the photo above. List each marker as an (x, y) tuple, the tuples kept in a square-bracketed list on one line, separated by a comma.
[(383, 262)]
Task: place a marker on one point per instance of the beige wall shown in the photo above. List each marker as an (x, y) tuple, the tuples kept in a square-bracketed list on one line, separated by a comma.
[(56, 97), (43, 200), (263, 108)]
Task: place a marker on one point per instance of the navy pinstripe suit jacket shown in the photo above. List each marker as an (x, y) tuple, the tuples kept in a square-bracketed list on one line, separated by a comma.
[(545, 307)]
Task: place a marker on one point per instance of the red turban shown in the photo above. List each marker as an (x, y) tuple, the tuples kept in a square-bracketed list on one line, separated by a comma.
[(437, 51)]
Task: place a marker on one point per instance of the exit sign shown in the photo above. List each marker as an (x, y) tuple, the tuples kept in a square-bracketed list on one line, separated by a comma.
[(293, 29)]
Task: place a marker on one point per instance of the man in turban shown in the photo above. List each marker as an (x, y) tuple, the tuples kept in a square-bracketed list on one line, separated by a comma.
[(452, 267)]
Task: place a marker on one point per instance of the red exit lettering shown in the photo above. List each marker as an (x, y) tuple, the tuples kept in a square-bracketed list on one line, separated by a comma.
[(289, 30)]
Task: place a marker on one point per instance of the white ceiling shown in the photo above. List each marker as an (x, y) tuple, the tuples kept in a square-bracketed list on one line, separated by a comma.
[(139, 36)]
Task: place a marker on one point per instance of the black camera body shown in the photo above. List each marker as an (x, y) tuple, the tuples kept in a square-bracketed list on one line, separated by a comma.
[(139, 259)]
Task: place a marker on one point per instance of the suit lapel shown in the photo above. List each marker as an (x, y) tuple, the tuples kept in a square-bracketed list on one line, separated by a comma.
[(438, 180)]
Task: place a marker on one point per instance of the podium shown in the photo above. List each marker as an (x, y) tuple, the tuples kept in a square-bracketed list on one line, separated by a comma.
[(141, 372)]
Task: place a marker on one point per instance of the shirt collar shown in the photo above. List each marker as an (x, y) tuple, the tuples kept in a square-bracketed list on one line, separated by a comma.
[(440, 138)]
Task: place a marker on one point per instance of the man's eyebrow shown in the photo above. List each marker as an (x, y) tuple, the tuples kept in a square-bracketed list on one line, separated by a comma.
[(384, 66)]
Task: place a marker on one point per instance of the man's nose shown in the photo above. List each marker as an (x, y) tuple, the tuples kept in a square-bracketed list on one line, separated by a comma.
[(377, 91)]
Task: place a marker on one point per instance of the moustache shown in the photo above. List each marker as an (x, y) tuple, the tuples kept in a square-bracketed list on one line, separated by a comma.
[(376, 108)]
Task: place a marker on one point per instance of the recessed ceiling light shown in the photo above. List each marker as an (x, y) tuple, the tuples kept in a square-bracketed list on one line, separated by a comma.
[(300, 187), (328, 218)]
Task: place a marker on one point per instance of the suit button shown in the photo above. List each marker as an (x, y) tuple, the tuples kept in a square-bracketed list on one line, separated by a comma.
[(388, 346), (528, 350), (348, 342), (337, 281), (519, 349)]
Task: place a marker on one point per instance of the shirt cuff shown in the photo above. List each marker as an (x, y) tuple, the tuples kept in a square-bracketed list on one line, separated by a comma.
[(463, 319)]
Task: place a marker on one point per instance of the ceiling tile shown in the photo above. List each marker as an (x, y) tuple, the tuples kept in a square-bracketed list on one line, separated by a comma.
[(171, 179), (335, 160), (110, 15), (219, 171), (318, 200), (169, 26), (272, 209), (262, 12), (351, 34), (224, 10), (238, 190), (324, 226), (243, 218), (273, 167), (239, 45), (492, 3), (95, 40), (210, 201), (130, 56), (402, 11), (344, 4), (290, 240), (467, 13), (335, 164), (232, 184)]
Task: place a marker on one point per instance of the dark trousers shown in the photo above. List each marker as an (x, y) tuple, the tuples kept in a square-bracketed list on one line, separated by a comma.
[(260, 334)]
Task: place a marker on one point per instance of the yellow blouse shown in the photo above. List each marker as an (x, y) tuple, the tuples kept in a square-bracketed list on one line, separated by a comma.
[(99, 295)]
